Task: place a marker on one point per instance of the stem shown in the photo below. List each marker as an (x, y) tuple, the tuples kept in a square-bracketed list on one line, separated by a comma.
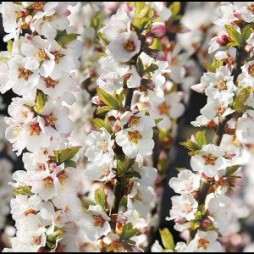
[(241, 54)]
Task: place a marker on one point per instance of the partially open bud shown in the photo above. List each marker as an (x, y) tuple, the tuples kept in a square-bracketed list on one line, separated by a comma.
[(158, 29)]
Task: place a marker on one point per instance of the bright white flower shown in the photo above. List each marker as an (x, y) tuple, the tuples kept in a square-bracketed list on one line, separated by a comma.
[(125, 46), (137, 120), (246, 78), (205, 242), (100, 171), (184, 206), (95, 223), (209, 160), (139, 198), (220, 212), (245, 130), (156, 247), (110, 82), (134, 142), (99, 146), (113, 240), (117, 24), (185, 183)]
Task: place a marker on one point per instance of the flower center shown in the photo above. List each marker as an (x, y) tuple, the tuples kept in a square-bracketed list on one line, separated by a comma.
[(164, 108), (38, 6), (187, 208), (35, 129), (30, 211), (134, 136), (251, 70), (48, 182), (130, 46), (104, 146), (58, 56), (116, 246), (220, 109), (221, 85), (50, 120), (62, 177), (36, 240), (40, 167), (134, 121), (50, 82), (209, 159), (203, 243), (98, 221), (41, 54), (24, 73), (251, 7)]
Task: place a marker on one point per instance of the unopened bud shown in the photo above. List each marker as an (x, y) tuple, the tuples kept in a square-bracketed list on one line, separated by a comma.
[(158, 29)]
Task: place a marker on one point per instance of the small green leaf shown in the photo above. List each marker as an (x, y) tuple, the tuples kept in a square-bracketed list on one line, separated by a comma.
[(100, 198), (22, 190), (40, 101), (109, 100), (156, 45), (246, 32), (128, 231), (54, 237), (190, 145), (167, 239), (151, 68), (231, 170), (240, 99), (132, 174), (194, 224), (66, 154), (103, 38), (123, 165), (200, 137), (140, 67), (9, 46), (64, 39), (4, 59), (175, 7), (100, 123), (103, 110), (70, 164), (212, 67), (234, 35)]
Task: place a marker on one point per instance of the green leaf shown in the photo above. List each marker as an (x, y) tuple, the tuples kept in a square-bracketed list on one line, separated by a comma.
[(4, 59), (103, 110), (70, 164), (123, 165), (64, 39), (240, 99), (128, 231), (100, 123), (194, 224), (140, 67), (22, 190), (139, 6), (234, 35), (103, 38), (109, 99), (156, 44), (212, 67), (200, 137), (151, 68), (100, 198), (66, 154), (231, 170), (167, 239), (190, 145), (40, 101), (132, 174), (54, 237), (175, 7), (246, 32), (9, 46)]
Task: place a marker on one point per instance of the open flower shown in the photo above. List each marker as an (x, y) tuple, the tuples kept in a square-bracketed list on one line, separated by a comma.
[(209, 160)]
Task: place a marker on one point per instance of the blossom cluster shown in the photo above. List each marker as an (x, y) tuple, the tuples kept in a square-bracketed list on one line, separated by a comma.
[(203, 210), (38, 67)]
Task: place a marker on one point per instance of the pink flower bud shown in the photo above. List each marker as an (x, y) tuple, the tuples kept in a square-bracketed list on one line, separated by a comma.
[(158, 29), (206, 223)]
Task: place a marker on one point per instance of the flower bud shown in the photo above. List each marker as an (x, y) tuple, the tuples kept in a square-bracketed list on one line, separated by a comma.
[(158, 29)]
